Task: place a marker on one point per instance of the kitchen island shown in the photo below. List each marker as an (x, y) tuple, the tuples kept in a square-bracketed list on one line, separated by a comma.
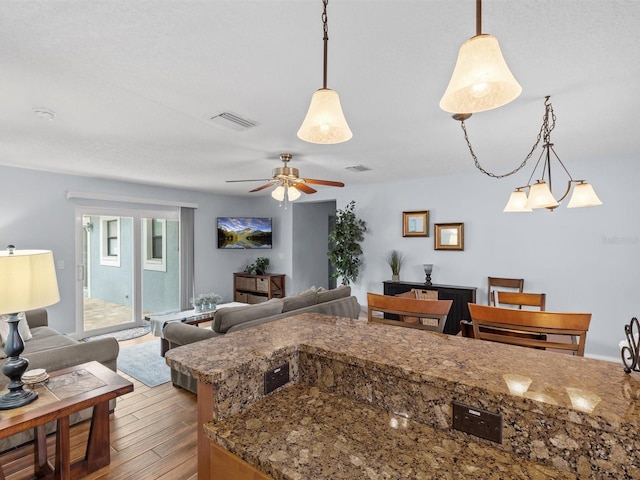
[(375, 401)]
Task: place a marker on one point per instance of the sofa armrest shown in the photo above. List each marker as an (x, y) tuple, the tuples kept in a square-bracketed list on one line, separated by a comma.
[(178, 334), (37, 318), (104, 351)]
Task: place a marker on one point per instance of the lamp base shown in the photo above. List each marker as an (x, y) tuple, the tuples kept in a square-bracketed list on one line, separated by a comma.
[(17, 398), (427, 280), (14, 368)]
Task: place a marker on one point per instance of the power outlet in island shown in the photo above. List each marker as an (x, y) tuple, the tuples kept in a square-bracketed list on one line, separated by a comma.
[(276, 377), (478, 422)]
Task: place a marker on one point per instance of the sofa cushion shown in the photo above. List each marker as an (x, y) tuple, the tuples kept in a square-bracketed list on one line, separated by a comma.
[(343, 291), (225, 318), (301, 300), (46, 338), (23, 328)]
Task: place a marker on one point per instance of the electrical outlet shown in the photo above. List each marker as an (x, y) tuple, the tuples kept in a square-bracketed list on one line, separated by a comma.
[(276, 378), (478, 422)]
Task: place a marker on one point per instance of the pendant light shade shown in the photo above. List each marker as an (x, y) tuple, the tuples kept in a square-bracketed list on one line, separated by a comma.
[(583, 196), (540, 196), (325, 122), (517, 202), (481, 79)]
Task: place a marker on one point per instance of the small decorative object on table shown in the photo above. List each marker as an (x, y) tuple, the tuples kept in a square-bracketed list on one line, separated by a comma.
[(631, 351), (395, 259), (205, 302), (428, 268)]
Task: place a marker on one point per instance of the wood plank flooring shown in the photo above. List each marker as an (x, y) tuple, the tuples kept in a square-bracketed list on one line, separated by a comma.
[(153, 436)]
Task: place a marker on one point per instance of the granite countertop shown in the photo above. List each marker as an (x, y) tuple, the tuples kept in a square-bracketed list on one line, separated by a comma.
[(575, 415), (305, 433)]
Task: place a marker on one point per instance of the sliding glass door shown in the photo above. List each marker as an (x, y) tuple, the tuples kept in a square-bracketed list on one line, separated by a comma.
[(129, 267)]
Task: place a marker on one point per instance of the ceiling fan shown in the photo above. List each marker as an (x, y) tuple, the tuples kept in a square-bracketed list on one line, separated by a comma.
[(288, 181)]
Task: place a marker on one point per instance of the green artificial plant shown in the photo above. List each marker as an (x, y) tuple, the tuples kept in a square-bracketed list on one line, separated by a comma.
[(395, 259), (345, 236)]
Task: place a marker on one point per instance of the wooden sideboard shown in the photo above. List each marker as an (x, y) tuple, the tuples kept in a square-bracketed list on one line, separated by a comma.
[(248, 288), (461, 296)]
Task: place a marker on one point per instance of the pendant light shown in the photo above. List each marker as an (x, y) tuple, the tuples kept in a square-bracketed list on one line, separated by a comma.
[(325, 122), (481, 79)]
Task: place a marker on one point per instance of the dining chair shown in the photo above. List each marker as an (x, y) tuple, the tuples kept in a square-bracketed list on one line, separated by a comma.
[(512, 283), (521, 298), (412, 312), (508, 325)]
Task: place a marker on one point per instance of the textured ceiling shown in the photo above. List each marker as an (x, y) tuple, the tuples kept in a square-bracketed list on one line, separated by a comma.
[(133, 85)]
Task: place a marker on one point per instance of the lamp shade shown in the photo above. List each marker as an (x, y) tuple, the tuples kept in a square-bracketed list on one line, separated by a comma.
[(517, 202), (293, 193), (583, 196), (481, 79), (278, 193), (27, 280), (540, 196), (325, 122)]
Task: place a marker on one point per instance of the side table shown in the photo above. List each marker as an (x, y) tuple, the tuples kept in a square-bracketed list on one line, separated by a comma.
[(68, 391)]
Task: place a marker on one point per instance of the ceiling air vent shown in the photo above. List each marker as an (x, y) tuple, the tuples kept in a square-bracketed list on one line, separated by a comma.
[(358, 168), (233, 121)]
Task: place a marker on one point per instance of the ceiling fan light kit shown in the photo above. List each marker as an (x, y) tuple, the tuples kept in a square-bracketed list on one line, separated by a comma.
[(325, 123)]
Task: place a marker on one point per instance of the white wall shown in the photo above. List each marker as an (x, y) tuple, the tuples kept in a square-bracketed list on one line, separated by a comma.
[(583, 259)]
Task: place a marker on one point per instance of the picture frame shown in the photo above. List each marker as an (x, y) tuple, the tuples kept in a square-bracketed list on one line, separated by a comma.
[(415, 224), (449, 236)]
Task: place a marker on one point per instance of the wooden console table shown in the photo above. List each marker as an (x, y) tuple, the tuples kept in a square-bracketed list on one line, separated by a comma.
[(461, 296), (68, 391)]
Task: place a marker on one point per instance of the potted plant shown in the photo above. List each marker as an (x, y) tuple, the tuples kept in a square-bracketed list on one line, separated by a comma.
[(395, 259), (345, 236), (210, 300), (197, 303), (261, 265)]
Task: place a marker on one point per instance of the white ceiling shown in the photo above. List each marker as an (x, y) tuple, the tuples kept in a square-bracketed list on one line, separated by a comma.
[(134, 83)]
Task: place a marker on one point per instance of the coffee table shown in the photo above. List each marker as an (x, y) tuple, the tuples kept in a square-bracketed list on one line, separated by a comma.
[(190, 317), (68, 391)]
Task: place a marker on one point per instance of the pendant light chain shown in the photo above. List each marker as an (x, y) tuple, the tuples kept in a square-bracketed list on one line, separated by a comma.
[(545, 132), (325, 38)]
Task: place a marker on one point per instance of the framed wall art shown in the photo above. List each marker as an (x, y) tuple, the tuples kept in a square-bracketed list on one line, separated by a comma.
[(449, 236), (415, 224)]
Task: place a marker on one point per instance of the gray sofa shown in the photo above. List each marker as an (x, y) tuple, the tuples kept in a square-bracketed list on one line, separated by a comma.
[(336, 302), (52, 351)]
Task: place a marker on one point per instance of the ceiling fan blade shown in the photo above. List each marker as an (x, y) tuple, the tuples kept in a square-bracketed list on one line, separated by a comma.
[(266, 185), (329, 183), (304, 188), (251, 180)]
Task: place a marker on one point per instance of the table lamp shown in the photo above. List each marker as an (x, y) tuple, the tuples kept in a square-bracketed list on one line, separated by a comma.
[(428, 268), (27, 281)]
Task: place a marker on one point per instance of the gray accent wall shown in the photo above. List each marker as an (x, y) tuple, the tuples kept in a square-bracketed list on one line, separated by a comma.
[(585, 260)]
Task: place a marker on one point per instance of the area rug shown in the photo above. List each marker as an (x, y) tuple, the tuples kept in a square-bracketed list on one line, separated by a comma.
[(122, 335), (144, 363)]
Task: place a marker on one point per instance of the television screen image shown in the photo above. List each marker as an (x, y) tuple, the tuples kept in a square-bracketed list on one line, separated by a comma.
[(244, 232)]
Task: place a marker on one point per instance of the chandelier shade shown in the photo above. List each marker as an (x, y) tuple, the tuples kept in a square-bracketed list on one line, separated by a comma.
[(517, 202), (540, 196), (325, 122), (583, 196), (481, 79)]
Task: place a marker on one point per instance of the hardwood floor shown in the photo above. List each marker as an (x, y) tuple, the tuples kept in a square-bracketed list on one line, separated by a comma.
[(153, 436)]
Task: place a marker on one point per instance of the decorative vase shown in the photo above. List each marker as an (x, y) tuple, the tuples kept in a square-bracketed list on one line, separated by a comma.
[(395, 278)]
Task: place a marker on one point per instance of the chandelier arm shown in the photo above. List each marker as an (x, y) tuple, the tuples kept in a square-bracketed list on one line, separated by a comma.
[(560, 161), (325, 39), (536, 168), (515, 170)]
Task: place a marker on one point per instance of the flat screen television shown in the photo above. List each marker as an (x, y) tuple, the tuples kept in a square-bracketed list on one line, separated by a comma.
[(244, 232)]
